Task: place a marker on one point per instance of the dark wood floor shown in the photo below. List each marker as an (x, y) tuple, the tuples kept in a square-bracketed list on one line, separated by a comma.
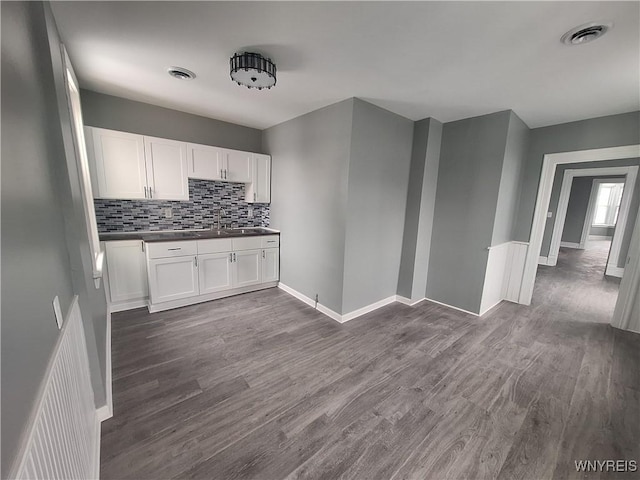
[(262, 386)]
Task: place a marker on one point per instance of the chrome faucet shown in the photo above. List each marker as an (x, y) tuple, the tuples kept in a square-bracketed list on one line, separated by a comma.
[(220, 214)]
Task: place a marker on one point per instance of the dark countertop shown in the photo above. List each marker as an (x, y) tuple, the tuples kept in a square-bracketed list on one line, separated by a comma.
[(173, 235)]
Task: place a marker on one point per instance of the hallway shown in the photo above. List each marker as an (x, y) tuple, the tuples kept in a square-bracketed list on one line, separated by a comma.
[(577, 283)]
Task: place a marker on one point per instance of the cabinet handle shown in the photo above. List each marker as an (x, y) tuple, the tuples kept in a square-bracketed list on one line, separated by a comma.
[(145, 192), (177, 248), (263, 254), (254, 196), (225, 173), (231, 258), (221, 174), (142, 245), (150, 193), (234, 258), (196, 260)]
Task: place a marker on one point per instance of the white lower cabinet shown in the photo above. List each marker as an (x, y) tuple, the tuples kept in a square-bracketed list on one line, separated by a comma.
[(192, 271), (270, 264), (126, 274), (173, 278), (215, 272), (247, 268)]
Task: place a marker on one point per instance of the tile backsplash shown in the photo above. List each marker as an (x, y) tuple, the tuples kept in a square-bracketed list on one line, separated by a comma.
[(201, 211)]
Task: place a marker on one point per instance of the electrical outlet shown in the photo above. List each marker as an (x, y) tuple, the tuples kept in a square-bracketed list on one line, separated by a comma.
[(168, 212), (250, 212)]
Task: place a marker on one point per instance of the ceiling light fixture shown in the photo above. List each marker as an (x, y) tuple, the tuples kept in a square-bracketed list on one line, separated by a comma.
[(585, 33), (253, 70), (181, 73)]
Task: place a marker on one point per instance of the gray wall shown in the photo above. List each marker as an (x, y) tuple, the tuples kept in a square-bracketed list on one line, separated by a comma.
[(508, 194), (577, 210), (117, 113), (469, 175), (610, 131), (376, 200), (555, 198), (43, 254), (602, 231), (421, 198), (310, 167)]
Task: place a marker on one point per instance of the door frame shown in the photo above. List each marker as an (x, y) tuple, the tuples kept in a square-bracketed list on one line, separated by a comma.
[(549, 164), (591, 207), (630, 172)]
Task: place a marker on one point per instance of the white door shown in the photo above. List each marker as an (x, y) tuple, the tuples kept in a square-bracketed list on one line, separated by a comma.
[(173, 278), (166, 169), (205, 162), (118, 162), (270, 265), (238, 168), (215, 272), (247, 268), (127, 270)]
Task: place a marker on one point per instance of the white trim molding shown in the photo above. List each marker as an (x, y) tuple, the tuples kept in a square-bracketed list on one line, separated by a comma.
[(312, 303), (451, 306), (549, 164), (367, 309), (578, 246), (408, 301), (543, 261), (630, 173), (623, 314), (614, 271), (106, 411)]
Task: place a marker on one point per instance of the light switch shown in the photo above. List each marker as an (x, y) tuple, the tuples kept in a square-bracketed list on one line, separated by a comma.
[(58, 311), (168, 212), (549, 214), (250, 212)]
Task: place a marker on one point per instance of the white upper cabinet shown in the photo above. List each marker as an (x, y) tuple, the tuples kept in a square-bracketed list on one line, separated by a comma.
[(166, 162), (129, 166), (119, 164), (259, 191), (238, 166), (205, 162)]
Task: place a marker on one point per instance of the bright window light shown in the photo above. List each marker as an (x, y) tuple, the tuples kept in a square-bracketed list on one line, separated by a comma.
[(608, 204)]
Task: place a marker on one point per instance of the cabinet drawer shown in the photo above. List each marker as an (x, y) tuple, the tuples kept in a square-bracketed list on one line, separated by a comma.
[(247, 243), (171, 249), (270, 241), (214, 245)]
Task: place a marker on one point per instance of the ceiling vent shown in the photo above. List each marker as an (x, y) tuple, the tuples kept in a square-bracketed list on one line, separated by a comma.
[(585, 33), (181, 73)]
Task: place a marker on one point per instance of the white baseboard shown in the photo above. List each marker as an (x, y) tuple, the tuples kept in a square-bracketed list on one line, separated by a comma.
[(312, 303), (130, 305), (614, 271), (106, 411), (408, 301), (369, 308), (571, 245), (542, 260), (486, 310), (600, 237), (451, 306)]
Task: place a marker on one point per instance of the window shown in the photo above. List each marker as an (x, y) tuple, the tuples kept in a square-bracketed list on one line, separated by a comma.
[(608, 204), (75, 110)]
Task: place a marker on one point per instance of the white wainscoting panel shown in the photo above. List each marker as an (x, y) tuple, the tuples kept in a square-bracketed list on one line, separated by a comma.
[(503, 277), (63, 437), (494, 276)]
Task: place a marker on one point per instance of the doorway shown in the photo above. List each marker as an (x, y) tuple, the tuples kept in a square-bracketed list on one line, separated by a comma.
[(628, 296)]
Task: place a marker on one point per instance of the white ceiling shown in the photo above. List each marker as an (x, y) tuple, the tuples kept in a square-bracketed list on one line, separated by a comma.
[(447, 60)]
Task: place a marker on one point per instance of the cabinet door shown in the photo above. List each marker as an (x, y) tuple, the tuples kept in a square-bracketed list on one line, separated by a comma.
[(205, 162), (262, 177), (118, 163), (127, 270), (238, 166), (166, 169), (247, 268), (172, 278), (214, 272), (259, 190), (270, 265)]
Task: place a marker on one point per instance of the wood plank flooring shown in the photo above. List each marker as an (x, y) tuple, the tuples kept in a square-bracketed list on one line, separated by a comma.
[(262, 386)]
